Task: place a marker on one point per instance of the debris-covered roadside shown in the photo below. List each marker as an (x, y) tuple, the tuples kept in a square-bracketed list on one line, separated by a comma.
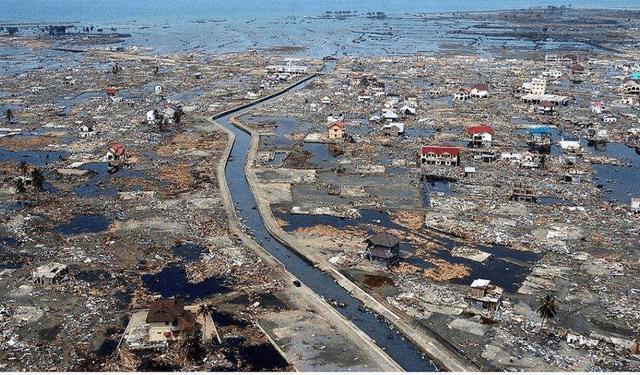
[(534, 218), (116, 167)]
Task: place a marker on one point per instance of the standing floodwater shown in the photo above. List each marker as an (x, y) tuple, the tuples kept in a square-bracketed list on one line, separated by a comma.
[(401, 350)]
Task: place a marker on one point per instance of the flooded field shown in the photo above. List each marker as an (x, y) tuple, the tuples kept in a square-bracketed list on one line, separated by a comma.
[(503, 270), (84, 224)]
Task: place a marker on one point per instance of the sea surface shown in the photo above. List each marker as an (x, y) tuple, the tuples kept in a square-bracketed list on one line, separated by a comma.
[(144, 11), (315, 28)]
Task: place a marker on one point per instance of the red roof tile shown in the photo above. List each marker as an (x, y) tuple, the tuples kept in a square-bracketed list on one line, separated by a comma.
[(481, 87), (440, 150), (117, 149), (480, 130)]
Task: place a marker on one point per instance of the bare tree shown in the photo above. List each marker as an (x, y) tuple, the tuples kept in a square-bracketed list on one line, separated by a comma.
[(8, 114)]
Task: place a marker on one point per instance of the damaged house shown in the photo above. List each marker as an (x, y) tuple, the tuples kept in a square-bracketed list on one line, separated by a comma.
[(115, 152), (484, 296), (49, 274), (169, 321)]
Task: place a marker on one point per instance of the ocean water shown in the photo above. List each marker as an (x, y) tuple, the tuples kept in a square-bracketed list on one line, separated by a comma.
[(153, 11)]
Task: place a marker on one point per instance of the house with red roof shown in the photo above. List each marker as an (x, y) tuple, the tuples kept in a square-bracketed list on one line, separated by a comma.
[(635, 204), (480, 91), (577, 73), (111, 91), (597, 107), (438, 155), (480, 135), (115, 152), (336, 130), (546, 106), (461, 94)]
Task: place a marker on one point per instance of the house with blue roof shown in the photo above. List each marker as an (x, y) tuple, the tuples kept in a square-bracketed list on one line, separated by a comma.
[(540, 130), (540, 135)]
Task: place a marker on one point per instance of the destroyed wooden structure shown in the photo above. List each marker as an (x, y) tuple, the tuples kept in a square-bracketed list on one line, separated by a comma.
[(523, 193), (484, 296), (49, 274)]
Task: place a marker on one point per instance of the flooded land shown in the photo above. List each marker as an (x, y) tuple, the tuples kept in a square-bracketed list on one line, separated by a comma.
[(343, 192)]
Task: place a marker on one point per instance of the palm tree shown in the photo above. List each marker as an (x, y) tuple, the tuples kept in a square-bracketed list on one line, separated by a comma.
[(37, 179), (205, 311), (548, 308), (18, 184), (8, 114)]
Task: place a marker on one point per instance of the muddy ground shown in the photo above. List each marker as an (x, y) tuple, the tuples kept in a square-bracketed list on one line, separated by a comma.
[(162, 204), (131, 230), (574, 233)]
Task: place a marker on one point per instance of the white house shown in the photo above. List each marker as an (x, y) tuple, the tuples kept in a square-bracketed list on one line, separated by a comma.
[(406, 110), (511, 155), (86, 131), (597, 108), (393, 128), (151, 117), (158, 90), (461, 95), (49, 274), (390, 116), (480, 91), (115, 152), (411, 100), (553, 73), (480, 134), (168, 115), (635, 204), (570, 143), (609, 118), (538, 86)]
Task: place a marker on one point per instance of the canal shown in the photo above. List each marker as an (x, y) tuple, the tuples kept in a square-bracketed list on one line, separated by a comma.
[(400, 349)]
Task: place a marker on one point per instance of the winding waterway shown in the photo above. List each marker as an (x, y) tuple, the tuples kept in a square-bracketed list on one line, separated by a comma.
[(401, 350)]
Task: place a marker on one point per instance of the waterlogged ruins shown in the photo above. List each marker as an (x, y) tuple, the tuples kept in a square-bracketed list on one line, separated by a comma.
[(367, 204)]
